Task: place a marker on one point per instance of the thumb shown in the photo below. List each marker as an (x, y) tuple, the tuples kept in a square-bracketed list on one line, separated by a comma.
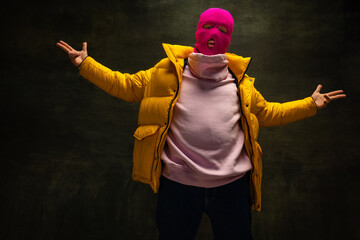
[(319, 87), (84, 46)]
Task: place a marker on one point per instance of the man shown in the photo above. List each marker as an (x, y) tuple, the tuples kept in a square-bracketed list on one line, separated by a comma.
[(199, 117)]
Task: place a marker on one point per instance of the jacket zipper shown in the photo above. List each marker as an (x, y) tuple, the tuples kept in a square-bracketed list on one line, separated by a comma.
[(168, 120), (243, 115)]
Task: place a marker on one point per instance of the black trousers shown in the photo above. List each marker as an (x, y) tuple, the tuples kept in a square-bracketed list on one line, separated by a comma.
[(180, 209)]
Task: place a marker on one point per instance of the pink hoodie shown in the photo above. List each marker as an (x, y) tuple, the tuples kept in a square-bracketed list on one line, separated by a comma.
[(205, 143)]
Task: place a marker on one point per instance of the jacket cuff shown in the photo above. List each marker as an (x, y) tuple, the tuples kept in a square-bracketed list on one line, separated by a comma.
[(78, 67), (313, 106)]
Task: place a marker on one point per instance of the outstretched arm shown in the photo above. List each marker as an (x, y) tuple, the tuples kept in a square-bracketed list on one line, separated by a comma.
[(274, 114), (323, 99), (129, 87)]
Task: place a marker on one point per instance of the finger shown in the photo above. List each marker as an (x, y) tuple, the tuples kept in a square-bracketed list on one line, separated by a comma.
[(62, 43), (338, 96), (84, 46), (67, 45), (63, 47), (327, 98), (335, 92), (318, 88)]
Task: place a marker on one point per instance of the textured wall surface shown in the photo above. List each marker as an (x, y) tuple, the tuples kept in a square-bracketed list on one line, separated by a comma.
[(67, 146)]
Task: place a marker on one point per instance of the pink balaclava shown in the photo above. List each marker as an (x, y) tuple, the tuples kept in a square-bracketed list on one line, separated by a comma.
[(216, 17)]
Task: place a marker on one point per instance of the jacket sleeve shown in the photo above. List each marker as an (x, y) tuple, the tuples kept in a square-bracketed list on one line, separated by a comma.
[(275, 114), (129, 87)]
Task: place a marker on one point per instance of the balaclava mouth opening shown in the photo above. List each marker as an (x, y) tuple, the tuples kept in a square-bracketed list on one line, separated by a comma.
[(215, 17)]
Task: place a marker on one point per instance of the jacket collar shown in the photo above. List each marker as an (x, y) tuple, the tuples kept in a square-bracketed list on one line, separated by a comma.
[(177, 53)]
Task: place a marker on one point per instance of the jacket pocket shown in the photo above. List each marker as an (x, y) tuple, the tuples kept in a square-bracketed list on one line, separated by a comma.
[(144, 155)]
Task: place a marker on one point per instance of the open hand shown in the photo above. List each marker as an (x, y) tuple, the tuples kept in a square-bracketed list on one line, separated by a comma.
[(323, 99), (76, 57)]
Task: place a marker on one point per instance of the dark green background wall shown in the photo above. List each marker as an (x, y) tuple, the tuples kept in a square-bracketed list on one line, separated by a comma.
[(67, 146)]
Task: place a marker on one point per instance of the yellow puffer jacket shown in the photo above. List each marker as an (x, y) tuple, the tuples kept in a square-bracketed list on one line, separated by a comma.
[(158, 90)]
